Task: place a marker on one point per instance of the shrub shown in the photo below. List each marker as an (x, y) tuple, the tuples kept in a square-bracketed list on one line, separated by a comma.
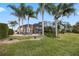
[(11, 32), (3, 30), (75, 28), (48, 31)]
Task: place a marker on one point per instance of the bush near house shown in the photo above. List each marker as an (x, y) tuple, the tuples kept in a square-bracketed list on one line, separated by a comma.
[(48, 31), (76, 28), (3, 30), (11, 32)]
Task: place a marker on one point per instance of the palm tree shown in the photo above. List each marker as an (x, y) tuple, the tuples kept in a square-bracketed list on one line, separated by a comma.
[(23, 9), (60, 10), (20, 12), (16, 13), (41, 9), (31, 14), (13, 24)]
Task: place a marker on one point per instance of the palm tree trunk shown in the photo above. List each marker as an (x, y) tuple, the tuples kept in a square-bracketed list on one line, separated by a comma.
[(43, 20), (22, 27), (19, 26), (28, 25), (56, 27), (42, 26)]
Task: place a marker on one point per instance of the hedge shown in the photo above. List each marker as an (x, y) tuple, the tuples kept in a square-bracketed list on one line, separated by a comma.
[(3, 30)]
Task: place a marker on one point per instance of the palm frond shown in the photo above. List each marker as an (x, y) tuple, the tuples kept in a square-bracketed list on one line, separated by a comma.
[(68, 11), (13, 7)]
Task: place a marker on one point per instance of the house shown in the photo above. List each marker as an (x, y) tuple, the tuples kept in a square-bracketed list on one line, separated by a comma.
[(37, 27), (33, 28), (25, 29)]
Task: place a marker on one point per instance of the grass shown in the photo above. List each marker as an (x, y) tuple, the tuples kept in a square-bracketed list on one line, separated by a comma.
[(66, 45)]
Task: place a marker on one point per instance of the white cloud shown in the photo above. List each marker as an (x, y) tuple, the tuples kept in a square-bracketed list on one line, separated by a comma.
[(2, 9)]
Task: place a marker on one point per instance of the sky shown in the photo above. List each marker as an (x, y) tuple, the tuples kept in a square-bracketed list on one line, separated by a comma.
[(5, 14)]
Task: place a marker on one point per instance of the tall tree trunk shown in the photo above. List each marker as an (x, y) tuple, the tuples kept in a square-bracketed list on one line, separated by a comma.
[(43, 20), (28, 25), (22, 27), (19, 26), (56, 28)]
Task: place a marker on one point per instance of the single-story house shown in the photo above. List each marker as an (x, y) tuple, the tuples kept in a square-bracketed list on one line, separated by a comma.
[(33, 28)]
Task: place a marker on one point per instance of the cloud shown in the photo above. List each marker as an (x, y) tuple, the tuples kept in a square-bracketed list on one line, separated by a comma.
[(2, 9)]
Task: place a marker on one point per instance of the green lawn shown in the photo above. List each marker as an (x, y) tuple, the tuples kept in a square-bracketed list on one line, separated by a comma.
[(67, 44)]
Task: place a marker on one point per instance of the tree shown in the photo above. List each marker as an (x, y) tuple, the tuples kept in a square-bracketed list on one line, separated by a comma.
[(16, 13), (76, 28), (31, 14), (60, 26), (23, 11), (67, 27), (13, 24), (60, 10), (41, 9)]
